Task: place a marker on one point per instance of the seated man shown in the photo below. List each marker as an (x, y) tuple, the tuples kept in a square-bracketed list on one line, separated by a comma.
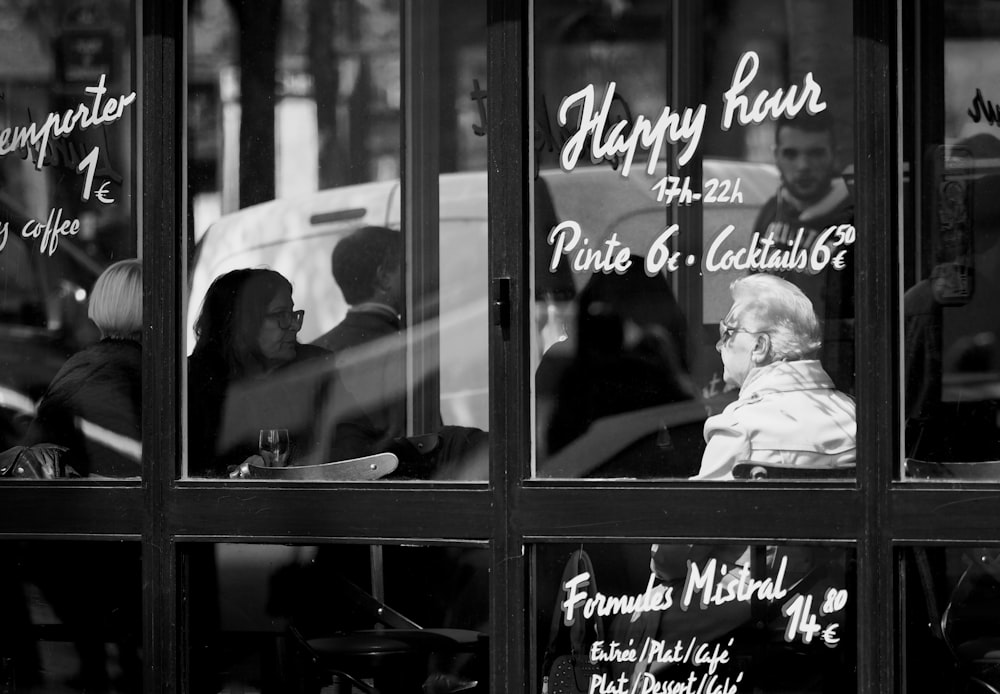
[(369, 348), (368, 343), (788, 411)]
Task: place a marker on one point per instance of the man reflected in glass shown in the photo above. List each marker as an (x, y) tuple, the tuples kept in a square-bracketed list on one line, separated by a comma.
[(813, 197)]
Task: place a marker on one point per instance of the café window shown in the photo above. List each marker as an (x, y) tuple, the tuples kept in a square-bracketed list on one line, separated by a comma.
[(683, 617), (337, 305), (694, 241), (71, 302), (354, 617), (683, 201), (67, 627), (950, 333)]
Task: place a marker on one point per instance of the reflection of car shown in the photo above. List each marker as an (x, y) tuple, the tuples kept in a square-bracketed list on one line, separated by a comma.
[(43, 320), (296, 236)]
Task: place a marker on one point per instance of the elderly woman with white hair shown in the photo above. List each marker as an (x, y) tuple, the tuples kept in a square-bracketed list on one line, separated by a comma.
[(92, 406), (788, 411)]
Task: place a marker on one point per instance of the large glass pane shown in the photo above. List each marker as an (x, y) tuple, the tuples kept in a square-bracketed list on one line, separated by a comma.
[(338, 617), (71, 616), (301, 200), (69, 351), (674, 617), (949, 232), (949, 640), (681, 148)]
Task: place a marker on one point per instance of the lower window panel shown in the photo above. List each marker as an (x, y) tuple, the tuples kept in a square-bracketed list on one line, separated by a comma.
[(70, 616), (666, 618), (950, 624), (336, 617)]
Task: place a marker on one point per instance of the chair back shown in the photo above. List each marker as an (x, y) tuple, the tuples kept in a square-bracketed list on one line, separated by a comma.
[(748, 470), (367, 468), (985, 471)]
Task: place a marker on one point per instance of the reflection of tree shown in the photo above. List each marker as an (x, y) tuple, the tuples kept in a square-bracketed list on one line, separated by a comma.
[(326, 87), (820, 41), (258, 22)]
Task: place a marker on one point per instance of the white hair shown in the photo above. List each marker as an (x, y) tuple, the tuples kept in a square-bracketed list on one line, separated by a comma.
[(116, 300), (780, 309)]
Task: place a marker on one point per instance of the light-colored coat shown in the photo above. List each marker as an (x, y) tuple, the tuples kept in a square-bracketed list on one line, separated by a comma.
[(788, 413)]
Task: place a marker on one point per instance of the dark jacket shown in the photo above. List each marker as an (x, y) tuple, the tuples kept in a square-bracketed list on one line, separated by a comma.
[(358, 328), (92, 407), (370, 355), (304, 396), (831, 290)]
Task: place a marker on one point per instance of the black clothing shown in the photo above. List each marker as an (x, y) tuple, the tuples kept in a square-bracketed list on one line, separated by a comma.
[(100, 386), (304, 396), (358, 328), (831, 290)]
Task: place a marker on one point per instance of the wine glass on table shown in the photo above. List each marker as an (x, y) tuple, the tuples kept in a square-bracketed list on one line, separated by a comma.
[(273, 447)]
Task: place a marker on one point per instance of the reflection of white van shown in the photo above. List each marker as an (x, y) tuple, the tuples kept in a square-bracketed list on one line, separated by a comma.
[(296, 236)]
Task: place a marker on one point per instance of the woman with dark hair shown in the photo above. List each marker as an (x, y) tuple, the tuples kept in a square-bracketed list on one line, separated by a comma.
[(248, 372)]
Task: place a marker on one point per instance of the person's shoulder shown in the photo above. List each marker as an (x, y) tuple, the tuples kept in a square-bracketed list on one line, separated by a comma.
[(123, 351), (768, 211), (338, 337), (729, 419), (306, 352), (99, 356)]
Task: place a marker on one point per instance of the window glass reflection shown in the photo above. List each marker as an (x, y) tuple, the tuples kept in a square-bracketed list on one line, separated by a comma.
[(66, 626), (67, 107), (949, 233), (950, 623), (667, 616), (306, 618), (385, 353), (669, 210)]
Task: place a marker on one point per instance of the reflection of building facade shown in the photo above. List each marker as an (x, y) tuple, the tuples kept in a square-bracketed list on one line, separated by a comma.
[(575, 187)]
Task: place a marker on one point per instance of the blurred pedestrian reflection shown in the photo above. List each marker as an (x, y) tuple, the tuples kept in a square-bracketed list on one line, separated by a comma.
[(952, 330), (629, 355)]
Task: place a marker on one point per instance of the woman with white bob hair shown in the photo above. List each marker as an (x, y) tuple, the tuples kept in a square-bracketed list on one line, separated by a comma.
[(92, 409), (788, 412), (92, 406)]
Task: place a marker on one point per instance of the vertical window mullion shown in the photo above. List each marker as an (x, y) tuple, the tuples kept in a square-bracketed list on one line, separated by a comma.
[(878, 440), (159, 127), (421, 207), (510, 297)]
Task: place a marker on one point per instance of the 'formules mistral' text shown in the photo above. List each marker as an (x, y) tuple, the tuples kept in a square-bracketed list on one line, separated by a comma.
[(713, 584)]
